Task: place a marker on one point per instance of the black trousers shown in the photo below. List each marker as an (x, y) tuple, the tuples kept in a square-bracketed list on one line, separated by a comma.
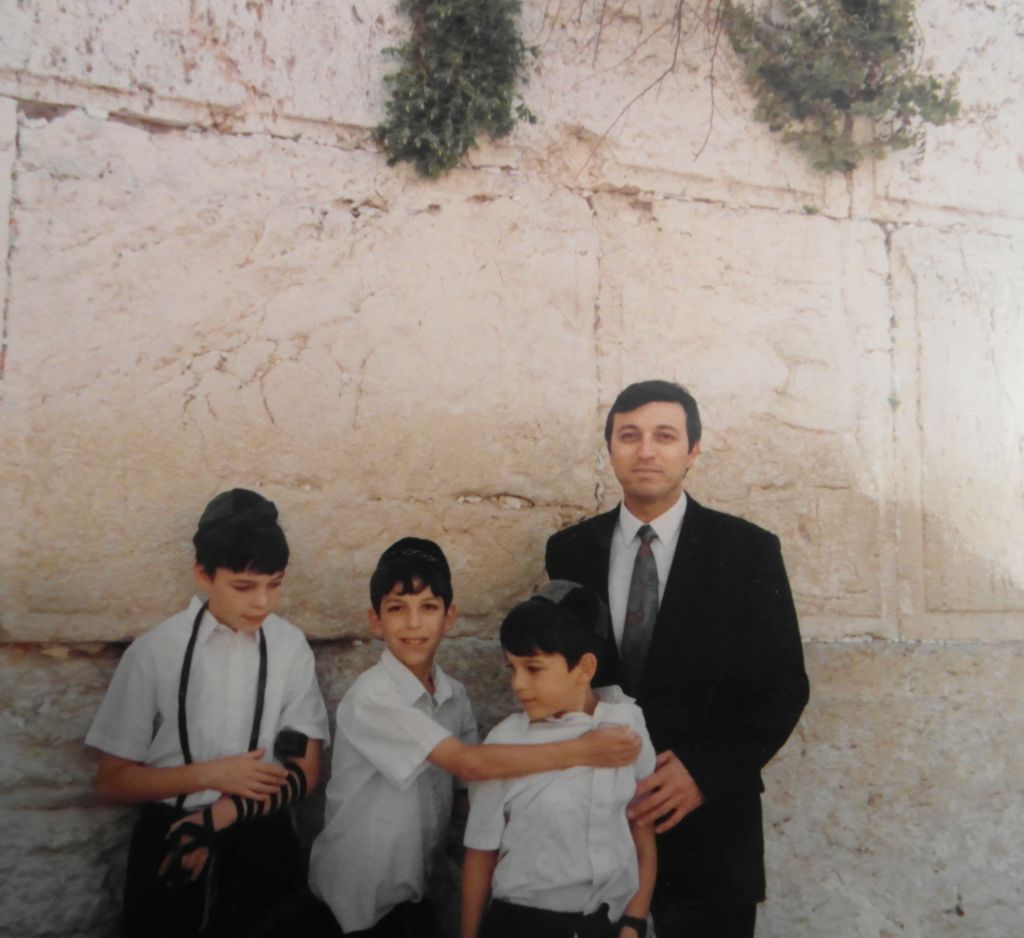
[(507, 920), (316, 920), (674, 919), (257, 867)]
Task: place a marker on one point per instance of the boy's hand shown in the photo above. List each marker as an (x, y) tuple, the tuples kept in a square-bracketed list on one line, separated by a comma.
[(193, 861), (246, 775), (611, 746), (667, 795)]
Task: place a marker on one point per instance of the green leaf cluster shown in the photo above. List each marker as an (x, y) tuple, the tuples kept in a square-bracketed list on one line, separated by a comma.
[(817, 65), (457, 78)]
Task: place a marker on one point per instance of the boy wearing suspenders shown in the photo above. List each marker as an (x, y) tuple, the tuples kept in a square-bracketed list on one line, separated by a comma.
[(214, 723)]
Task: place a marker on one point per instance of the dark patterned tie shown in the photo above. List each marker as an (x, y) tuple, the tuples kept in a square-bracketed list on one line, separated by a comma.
[(641, 611)]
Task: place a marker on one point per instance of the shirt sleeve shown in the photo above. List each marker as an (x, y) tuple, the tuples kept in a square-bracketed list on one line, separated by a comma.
[(645, 762), (390, 733), (304, 708), (125, 722)]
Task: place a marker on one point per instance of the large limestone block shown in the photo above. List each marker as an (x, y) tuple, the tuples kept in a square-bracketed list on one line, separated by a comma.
[(895, 810), (311, 59), (779, 326), (189, 312), (973, 164), (612, 110), (962, 392), (64, 873), (44, 719)]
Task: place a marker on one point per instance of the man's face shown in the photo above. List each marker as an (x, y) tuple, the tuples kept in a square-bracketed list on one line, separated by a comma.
[(412, 626), (650, 454), (241, 601)]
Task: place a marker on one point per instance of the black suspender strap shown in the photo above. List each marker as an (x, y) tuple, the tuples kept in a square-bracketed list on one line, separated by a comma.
[(186, 670), (261, 692)]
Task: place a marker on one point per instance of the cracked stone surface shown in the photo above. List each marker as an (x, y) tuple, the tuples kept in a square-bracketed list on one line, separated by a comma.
[(212, 278), (280, 316)]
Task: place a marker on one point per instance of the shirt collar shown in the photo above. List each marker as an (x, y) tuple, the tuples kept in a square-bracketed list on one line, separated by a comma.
[(409, 685), (666, 525), (209, 625)]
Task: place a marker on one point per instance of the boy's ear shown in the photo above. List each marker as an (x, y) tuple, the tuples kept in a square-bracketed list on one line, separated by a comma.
[(588, 665), (203, 579), (450, 615), (374, 620)]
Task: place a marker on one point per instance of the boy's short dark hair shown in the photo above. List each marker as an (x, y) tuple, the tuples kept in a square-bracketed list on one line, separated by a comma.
[(648, 392), (563, 618), (414, 564), (238, 530)]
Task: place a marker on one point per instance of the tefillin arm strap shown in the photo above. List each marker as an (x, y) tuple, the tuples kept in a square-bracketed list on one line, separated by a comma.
[(289, 745)]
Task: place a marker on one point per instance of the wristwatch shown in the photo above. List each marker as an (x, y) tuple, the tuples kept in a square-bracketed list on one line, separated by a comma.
[(639, 925)]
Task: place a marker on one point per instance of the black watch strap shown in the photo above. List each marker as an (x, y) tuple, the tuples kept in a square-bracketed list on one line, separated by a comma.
[(639, 925)]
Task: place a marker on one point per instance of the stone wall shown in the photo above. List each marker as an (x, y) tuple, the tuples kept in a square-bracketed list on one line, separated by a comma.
[(213, 278)]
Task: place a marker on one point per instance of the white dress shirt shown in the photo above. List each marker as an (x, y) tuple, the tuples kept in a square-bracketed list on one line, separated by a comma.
[(387, 807), (138, 719), (625, 544), (563, 837)]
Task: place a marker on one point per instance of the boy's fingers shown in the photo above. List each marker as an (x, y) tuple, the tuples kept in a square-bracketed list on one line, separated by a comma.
[(621, 745)]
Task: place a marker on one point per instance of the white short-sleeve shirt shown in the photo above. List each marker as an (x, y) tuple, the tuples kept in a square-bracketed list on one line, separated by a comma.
[(562, 837), (138, 718), (387, 807)]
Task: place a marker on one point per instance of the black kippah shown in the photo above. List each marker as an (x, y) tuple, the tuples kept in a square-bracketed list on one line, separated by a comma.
[(237, 502), (417, 548), (577, 601)]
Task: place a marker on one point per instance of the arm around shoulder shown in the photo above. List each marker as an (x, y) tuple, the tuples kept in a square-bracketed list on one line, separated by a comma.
[(604, 747)]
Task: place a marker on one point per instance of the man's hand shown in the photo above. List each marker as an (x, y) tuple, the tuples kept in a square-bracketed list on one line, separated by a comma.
[(666, 796), (610, 746), (246, 775)]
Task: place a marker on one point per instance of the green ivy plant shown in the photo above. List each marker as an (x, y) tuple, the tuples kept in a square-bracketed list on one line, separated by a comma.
[(816, 65), (457, 78)]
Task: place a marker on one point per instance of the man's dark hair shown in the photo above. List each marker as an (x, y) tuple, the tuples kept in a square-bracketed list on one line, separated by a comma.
[(647, 392), (568, 626), (238, 530), (413, 564)]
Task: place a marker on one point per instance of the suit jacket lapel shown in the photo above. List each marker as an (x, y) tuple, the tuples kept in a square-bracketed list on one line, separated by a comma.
[(602, 529)]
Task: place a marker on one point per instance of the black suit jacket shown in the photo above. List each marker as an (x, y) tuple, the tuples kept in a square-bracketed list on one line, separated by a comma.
[(723, 686)]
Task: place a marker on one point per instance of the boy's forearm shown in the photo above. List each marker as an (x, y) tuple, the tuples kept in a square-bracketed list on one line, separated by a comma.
[(477, 872), (601, 747), (647, 864), (303, 775), (493, 761), (121, 781)]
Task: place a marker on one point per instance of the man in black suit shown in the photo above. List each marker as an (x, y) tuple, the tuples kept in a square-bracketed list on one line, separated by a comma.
[(710, 648)]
